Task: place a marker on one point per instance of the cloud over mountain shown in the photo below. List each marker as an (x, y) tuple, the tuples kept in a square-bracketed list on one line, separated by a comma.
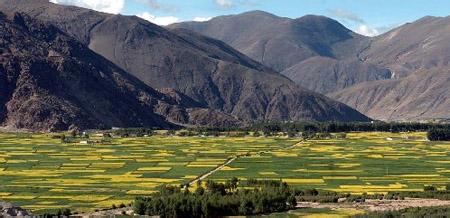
[(108, 6)]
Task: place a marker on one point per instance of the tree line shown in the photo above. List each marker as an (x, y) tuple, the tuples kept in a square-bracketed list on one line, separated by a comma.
[(439, 134), (334, 127), (231, 198)]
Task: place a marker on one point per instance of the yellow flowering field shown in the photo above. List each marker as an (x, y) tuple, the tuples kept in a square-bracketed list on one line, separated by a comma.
[(40, 173)]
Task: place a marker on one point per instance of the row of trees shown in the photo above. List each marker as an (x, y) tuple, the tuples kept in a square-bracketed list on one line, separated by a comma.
[(436, 134), (429, 192), (217, 200), (232, 198), (294, 129), (329, 127), (332, 127)]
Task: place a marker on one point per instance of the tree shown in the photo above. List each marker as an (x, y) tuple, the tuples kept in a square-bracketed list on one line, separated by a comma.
[(429, 188), (292, 201), (74, 133), (63, 138), (234, 183), (200, 190), (139, 207), (439, 134)]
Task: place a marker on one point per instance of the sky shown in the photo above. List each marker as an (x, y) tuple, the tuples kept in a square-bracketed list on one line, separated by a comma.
[(367, 17)]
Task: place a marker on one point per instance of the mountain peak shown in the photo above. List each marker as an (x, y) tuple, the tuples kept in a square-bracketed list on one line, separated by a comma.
[(320, 21), (258, 13)]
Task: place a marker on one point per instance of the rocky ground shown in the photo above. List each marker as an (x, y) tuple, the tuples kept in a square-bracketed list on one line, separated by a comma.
[(108, 213), (379, 205), (8, 209)]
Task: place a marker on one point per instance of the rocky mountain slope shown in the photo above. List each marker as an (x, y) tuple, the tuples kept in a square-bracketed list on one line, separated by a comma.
[(415, 46), (314, 51), (207, 70), (400, 75), (421, 96), (418, 55), (49, 81)]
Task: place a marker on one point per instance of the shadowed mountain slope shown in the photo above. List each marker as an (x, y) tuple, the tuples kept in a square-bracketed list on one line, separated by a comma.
[(49, 81), (206, 70)]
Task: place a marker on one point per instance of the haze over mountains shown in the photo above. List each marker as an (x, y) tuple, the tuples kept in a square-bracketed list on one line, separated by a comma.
[(400, 75), (220, 84)]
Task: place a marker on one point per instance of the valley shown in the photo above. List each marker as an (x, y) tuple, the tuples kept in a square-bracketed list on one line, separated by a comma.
[(41, 173), (224, 108)]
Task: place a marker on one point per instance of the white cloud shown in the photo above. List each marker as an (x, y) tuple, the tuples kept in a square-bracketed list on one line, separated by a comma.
[(158, 5), (367, 30), (107, 6), (346, 15), (202, 19), (358, 22), (162, 21), (224, 3)]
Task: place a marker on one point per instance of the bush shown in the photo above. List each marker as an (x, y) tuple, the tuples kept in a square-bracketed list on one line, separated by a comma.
[(64, 212), (439, 135), (429, 188)]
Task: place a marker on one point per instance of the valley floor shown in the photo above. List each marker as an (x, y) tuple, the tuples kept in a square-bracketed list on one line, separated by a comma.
[(40, 173)]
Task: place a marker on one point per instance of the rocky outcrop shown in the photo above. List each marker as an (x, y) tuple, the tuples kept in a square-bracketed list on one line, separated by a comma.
[(9, 210)]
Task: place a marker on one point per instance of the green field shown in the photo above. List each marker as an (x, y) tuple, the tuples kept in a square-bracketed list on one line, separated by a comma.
[(40, 173), (362, 163)]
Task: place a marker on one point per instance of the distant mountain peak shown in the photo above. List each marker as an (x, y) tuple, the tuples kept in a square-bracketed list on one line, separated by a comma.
[(258, 13), (321, 21)]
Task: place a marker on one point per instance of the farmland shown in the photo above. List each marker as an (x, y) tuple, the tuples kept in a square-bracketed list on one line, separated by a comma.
[(362, 163), (40, 173)]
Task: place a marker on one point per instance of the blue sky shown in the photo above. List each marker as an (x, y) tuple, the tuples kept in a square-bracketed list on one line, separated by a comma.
[(369, 17)]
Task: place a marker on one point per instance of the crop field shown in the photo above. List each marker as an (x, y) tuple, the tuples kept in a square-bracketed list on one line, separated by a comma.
[(41, 173), (363, 163)]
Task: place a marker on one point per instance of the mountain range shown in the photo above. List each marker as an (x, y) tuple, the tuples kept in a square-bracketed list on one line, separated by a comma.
[(99, 70), (402, 75), (50, 81)]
